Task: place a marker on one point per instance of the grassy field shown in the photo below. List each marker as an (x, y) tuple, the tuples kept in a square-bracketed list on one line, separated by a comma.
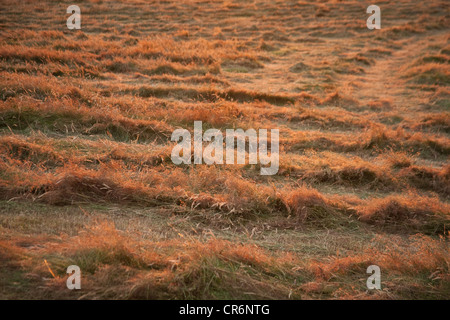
[(86, 176)]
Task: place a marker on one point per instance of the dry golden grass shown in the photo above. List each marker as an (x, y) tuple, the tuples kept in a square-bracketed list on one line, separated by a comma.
[(86, 176)]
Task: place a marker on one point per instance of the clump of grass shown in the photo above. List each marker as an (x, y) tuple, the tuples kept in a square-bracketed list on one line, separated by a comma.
[(221, 113), (344, 66), (243, 63), (329, 118), (441, 98), (212, 269), (64, 116), (424, 269), (120, 65), (429, 179), (299, 67), (400, 159), (382, 104), (338, 100), (75, 188), (435, 122), (42, 55), (309, 207), (433, 59), (308, 99), (102, 244), (126, 130), (406, 30), (429, 74), (26, 151), (17, 85), (377, 137), (199, 51), (351, 176), (266, 46), (154, 158), (377, 52), (247, 197), (360, 59), (203, 94), (196, 79), (411, 213)]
